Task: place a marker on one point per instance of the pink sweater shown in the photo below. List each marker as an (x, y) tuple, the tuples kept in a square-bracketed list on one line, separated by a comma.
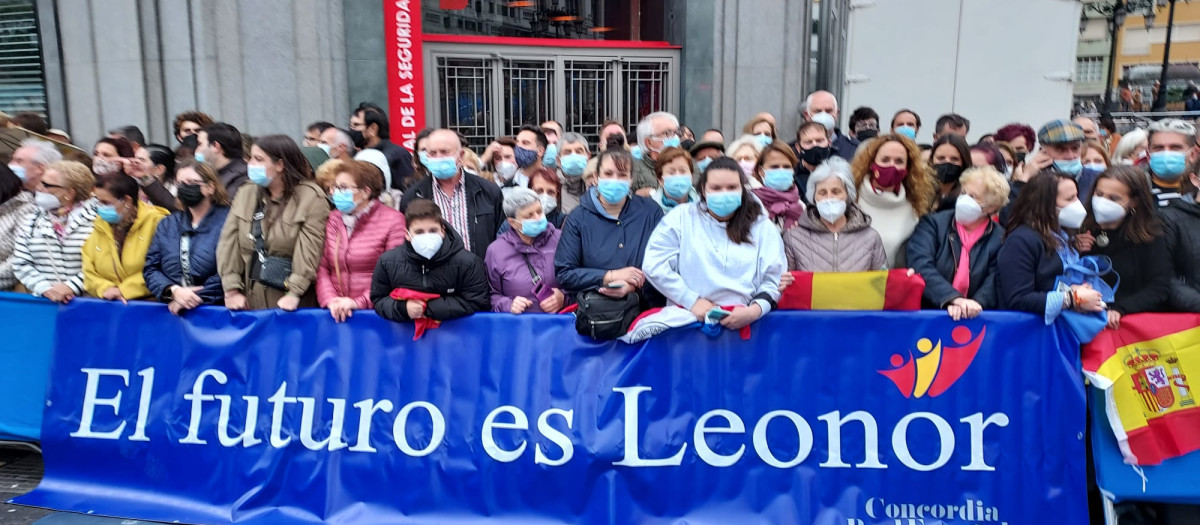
[(349, 261)]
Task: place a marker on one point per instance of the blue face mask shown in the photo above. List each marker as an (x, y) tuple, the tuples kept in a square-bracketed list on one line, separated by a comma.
[(258, 175), (1092, 170), (1168, 165), (18, 170), (763, 140), (198, 156), (907, 131), (1070, 167), (525, 157), (534, 227), (779, 179), (677, 186), (108, 213), (723, 203), (702, 164), (550, 159), (441, 167), (574, 164), (343, 200), (672, 142), (613, 190), (636, 151)]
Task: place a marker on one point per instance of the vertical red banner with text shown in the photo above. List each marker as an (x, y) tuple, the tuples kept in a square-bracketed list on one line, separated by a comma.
[(406, 73)]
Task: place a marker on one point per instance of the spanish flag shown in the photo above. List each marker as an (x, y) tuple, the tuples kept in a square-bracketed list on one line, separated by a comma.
[(1143, 369), (882, 290)]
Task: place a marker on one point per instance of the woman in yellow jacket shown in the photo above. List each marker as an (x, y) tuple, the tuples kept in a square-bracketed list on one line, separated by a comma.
[(115, 252)]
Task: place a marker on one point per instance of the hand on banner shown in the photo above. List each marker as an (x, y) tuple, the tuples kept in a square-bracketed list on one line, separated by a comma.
[(114, 294), (701, 308), (963, 308), (342, 308), (554, 303), (786, 280), (235, 300), (289, 302), (59, 293), (416, 309), (519, 304), (742, 316)]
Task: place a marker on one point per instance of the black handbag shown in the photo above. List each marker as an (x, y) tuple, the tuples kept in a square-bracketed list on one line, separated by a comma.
[(271, 271), (603, 318)]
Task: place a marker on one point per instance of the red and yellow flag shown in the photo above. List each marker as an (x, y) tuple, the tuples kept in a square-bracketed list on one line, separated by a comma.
[(1144, 367), (882, 290)]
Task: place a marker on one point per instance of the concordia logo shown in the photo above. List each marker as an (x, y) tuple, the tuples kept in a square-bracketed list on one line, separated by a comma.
[(938, 367)]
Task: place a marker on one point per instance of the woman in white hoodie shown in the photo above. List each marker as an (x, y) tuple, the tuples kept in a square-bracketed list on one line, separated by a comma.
[(895, 189), (720, 252)]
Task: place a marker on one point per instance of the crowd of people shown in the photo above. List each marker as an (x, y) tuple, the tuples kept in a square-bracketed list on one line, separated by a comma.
[(546, 222)]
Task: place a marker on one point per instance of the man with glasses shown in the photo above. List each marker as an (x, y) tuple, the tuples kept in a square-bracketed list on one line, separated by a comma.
[(655, 133)]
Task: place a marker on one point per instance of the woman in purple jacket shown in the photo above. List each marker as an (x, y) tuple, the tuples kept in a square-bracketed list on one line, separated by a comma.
[(520, 263)]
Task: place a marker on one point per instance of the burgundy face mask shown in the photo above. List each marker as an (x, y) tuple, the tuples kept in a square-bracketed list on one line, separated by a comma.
[(888, 176)]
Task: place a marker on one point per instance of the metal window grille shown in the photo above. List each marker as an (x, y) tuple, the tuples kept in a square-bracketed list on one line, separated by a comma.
[(528, 93), (645, 91), (587, 97), (22, 81), (465, 98)]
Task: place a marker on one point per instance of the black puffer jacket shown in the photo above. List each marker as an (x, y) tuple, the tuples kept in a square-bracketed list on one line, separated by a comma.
[(454, 273), (934, 251), (1182, 220)]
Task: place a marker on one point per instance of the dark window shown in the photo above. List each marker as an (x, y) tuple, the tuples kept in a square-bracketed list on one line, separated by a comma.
[(22, 84)]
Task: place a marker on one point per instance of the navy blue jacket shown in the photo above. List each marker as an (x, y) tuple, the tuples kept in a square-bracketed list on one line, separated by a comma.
[(592, 244), (1027, 271), (844, 146), (934, 250), (163, 268)]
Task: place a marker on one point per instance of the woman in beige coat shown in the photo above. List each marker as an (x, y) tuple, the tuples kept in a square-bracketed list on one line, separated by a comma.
[(834, 235), (292, 210)]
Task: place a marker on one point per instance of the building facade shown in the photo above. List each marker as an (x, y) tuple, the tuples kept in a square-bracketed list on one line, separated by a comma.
[(483, 66)]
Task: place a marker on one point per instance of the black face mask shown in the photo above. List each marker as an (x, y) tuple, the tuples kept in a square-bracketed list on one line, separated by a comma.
[(947, 172), (687, 144), (360, 141), (815, 156), (1021, 156), (867, 134), (189, 194)]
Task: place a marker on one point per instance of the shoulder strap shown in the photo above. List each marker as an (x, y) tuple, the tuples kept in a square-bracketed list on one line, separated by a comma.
[(256, 231), (532, 273)]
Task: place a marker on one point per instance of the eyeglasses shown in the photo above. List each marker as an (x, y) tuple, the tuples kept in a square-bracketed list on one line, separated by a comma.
[(346, 188), (666, 135), (47, 185)]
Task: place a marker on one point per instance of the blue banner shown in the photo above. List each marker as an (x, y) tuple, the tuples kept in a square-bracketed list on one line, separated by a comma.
[(822, 418), (28, 327), (1174, 481)]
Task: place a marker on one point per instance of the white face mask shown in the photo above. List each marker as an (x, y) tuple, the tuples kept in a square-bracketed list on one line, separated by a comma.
[(967, 210), (548, 204), (747, 167), (47, 201), (506, 170), (427, 244), (1106, 211), (825, 119), (1072, 215), (831, 209)]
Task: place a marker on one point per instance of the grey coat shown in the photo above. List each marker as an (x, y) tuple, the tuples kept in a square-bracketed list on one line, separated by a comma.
[(811, 247)]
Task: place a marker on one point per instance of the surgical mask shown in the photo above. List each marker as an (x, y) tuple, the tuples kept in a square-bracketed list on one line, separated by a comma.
[(326, 148), (105, 167), (1093, 169), (677, 186), (763, 140), (636, 151), (534, 227), (506, 170), (426, 244), (258, 174), (525, 157), (1008, 171), (108, 213), (1069, 167), (831, 209), (888, 176), (671, 142), (702, 164), (47, 201), (948, 173), (815, 155), (825, 119), (189, 194), (747, 166), (574, 164), (199, 156), (779, 179), (613, 190), (550, 159), (440, 167), (907, 131), (1072, 215), (723, 203), (343, 200), (549, 204), (1168, 165), (967, 210), (18, 170), (1106, 211)]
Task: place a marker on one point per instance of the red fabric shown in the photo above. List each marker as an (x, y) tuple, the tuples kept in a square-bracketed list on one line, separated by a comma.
[(745, 331), (424, 323), (902, 291), (570, 309), (453, 5), (348, 263), (1166, 437)]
